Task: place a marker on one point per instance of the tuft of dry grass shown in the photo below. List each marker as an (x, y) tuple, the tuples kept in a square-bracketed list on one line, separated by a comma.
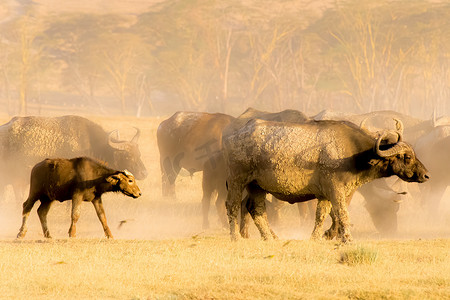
[(359, 255)]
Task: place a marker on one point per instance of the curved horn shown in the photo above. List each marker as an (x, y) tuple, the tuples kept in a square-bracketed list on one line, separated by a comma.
[(399, 125), (116, 132), (362, 125), (115, 143), (395, 149), (135, 139)]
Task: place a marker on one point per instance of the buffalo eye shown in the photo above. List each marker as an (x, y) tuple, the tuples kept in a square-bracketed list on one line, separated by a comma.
[(407, 159)]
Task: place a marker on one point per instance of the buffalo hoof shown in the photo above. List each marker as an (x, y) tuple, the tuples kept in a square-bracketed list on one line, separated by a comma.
[(316, 236), (267, 238), (235, 237), (245, 234), (346, 239), (330, 234), (21, 234), (275, 237)]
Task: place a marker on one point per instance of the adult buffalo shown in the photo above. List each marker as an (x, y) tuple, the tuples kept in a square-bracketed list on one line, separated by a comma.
[(327, 160), (382, 198), (434, 149), (188, 140), (214, 175), (382, 201), (78, 179), (24, 141)]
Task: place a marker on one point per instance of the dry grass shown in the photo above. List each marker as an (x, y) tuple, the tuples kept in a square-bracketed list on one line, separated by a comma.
[(162, 252), (213, 267), (359, 256)]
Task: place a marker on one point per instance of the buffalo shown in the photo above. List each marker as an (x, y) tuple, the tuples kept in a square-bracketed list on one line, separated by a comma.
[(24, 141), (327, 160), (434, 149), (214, 175), (382, 199), (78, 179), (188, 140)]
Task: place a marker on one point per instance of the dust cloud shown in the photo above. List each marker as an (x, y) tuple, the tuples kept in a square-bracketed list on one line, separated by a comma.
[(152, 217), (127, 66)]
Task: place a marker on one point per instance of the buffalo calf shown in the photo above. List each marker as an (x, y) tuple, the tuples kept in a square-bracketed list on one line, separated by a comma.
[(78, 179)]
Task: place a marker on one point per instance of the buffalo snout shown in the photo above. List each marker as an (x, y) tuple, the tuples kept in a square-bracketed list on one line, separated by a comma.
[(131, 189), (423, 177)]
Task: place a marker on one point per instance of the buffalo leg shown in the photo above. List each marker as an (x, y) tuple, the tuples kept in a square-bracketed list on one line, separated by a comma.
[(302, 211), (273, 210), (306, 211), (339, 207), (27, 206), (76, 211), (256, 206), (332, 232), (435, 191), (42, 213), (245, 217), (322, 211), (206, 200), (233, 202), (168, 176), (98, 205), (220, 205)]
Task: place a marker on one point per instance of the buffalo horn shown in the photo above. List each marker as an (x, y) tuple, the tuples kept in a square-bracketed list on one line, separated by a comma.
[(362, 125), (399, 125), (395, 149), (136, 136), (119, 145)]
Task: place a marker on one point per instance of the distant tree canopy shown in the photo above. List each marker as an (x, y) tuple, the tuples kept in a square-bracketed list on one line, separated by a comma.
[(224, 56)]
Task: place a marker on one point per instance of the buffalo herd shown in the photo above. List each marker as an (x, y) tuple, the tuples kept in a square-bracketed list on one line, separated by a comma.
[(316, 162), (296, 159)]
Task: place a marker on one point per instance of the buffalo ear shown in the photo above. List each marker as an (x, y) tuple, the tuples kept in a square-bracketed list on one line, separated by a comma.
[(374, 162), (113, 179)]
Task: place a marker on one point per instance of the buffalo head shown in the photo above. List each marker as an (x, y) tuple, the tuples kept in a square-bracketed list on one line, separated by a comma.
[(401, 159), (126, 155), (124, 182)]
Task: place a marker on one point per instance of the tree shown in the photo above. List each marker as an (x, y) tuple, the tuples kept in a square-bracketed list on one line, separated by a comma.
[(79, 42), (27, 28), (120, 52)]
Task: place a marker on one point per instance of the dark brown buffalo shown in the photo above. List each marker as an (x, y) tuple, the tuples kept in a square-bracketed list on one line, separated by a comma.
[(78, 179), (327, 160), (188, 140), (24, 141)]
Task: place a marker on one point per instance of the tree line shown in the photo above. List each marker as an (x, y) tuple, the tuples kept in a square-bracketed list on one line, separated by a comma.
[(214, 56)]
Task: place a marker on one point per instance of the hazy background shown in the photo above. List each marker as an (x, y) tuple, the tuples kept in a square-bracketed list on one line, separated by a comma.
[(117, 60), (147, 58)]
